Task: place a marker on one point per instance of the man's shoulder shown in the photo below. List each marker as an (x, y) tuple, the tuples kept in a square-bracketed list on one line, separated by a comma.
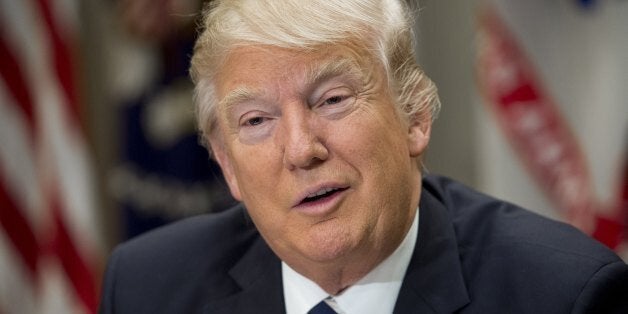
[(518, 261), (486, 223), (217, 240), (188, 261)]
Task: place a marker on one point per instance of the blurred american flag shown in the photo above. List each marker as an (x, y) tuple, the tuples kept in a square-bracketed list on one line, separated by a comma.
[(50, 246)]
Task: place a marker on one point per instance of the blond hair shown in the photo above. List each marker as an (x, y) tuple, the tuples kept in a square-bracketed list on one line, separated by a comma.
[(384, 26)]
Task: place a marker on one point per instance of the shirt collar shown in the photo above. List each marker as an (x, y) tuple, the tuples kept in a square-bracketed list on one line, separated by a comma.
[(374, 293)]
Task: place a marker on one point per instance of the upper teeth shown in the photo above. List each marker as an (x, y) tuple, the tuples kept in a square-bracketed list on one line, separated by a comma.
[(321, 192)]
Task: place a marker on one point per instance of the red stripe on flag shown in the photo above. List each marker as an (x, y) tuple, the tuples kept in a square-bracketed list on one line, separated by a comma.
[(541, 137), (62, 59), (533, 123), (19, 231), (524, 92), (613, 232), (14, 80), (609, 231), (79, 273)]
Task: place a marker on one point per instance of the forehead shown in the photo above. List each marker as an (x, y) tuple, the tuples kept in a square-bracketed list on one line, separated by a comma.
[(249, 69)]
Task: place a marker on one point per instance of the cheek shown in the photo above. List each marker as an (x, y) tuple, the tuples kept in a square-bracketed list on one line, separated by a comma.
[(255, 169), (377, 149), (373, 143)]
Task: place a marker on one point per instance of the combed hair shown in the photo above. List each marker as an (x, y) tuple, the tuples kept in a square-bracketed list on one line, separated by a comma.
[(383, 26)]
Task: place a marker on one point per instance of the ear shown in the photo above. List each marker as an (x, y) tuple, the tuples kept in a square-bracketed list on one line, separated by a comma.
[(419, 129), (224, 162)]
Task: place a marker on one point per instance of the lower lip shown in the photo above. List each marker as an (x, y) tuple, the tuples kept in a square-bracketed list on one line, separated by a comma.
[(321, 206)]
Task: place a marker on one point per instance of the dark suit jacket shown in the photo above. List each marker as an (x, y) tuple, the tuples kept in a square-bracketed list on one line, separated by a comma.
[(474, 254)]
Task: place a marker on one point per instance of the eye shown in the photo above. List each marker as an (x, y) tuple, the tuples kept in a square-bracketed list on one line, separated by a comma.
[(255, 126), (254, 121), (333, 100)]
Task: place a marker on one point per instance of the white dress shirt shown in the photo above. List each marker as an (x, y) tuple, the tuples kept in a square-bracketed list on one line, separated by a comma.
[(374, 293)]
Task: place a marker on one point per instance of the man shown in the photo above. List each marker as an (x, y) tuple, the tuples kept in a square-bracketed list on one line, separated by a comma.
[(318, 116)]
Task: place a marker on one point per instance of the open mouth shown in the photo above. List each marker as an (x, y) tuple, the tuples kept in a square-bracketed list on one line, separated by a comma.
[(322, 194)]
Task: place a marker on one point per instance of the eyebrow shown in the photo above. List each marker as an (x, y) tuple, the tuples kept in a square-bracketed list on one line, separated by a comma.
[(237, 95), (333, 68)]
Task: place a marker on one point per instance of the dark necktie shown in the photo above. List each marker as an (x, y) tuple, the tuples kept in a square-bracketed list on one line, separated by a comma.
[(322, 308)]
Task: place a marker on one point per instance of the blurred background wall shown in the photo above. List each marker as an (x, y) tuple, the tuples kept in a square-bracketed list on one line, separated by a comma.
[(97, 140)]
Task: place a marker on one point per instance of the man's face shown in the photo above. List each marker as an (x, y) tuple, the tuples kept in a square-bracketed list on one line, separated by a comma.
[(313, 146)]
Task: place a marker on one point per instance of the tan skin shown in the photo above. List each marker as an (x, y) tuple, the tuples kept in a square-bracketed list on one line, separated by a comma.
[(292, 125)]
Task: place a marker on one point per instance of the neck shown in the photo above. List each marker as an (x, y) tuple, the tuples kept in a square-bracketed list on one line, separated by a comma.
[(334, 279)]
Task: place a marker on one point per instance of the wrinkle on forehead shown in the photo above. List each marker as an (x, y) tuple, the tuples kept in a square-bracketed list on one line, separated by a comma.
[(315, 73), (311, 69)]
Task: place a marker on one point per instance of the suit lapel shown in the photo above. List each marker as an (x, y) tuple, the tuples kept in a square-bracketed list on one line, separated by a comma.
[(433, 281), (258, 274)]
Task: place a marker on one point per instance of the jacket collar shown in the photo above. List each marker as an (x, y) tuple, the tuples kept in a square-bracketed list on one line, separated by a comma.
[(258, 276), (433, 281)]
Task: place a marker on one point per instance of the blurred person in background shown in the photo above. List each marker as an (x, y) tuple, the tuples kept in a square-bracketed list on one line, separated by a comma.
[(161, 174)]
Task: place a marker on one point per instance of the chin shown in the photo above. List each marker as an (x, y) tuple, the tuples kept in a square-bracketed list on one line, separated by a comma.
[(329, 245)]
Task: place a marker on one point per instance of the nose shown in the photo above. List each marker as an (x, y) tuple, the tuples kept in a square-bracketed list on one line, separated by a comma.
[(303, 145)]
